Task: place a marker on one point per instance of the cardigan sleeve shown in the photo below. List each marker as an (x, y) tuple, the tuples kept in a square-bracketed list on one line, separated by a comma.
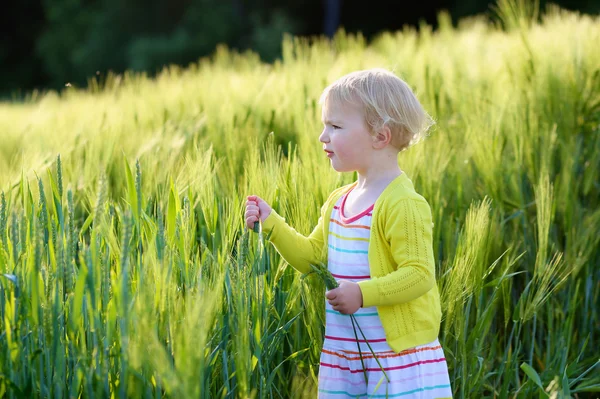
[(296, 249), (407, 229)]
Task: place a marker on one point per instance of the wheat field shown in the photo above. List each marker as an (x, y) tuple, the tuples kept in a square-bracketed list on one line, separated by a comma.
[(126, 269)]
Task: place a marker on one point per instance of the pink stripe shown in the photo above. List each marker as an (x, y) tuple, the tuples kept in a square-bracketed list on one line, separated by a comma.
[(333, 366), (422, 375), (355, 217), (354, 277), (342, 379), (352, 339), (391, 381), (350, 327), (368, 214)]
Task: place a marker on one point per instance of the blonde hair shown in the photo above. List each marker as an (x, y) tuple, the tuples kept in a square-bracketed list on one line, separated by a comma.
[(386, 100)]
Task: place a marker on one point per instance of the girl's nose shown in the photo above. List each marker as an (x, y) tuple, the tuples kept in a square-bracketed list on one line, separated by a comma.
[(323, 137)]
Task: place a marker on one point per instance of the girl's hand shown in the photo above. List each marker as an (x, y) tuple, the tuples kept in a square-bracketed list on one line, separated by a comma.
[(347, 298), (256, 208)]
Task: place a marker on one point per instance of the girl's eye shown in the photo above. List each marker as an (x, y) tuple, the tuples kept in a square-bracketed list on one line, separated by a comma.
[(335, 127)]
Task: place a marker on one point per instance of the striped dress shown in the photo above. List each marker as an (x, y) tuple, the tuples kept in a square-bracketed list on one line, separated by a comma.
[(419, 372)]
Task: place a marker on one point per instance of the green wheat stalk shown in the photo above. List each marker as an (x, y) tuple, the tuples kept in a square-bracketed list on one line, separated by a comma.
[(330, 282)]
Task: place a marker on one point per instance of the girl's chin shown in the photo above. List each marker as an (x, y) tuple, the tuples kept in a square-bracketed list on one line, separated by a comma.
[(335, 164), (339, 168)]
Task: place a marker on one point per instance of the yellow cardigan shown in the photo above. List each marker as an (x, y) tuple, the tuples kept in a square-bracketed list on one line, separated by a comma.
[(402, 284)]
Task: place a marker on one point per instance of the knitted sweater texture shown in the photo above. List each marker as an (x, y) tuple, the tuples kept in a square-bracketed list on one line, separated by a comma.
[(401, 260)]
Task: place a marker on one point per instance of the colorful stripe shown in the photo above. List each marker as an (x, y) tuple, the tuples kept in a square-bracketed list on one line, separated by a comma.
[(340, 379), (355, 314), (334, 262), (359, 382), (350, 251), (368, 214), (446, 386), (356, 353), (404, 366), (353, 277), (381, 356), (355, 217), (347, 327), (353, 339), (342, 393), (349, 226), (349, 238), (386, 395)]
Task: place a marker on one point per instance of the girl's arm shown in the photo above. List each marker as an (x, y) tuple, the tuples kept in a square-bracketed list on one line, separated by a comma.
[(408, 230), (296, 249)]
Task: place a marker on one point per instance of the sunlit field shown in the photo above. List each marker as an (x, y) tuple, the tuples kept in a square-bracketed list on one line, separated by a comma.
[(127, 271)]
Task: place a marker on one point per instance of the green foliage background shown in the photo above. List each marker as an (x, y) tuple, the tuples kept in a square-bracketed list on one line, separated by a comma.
[(126, 269), (50, 43)]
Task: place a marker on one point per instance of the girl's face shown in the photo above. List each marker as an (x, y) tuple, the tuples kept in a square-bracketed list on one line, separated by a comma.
[(345, 137)]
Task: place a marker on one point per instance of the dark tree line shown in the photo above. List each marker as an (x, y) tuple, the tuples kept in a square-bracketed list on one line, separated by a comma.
[(50, 42)]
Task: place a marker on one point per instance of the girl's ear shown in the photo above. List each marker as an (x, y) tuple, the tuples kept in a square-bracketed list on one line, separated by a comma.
[(382, 138)]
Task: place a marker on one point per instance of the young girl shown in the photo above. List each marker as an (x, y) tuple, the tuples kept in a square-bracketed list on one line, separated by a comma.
[(376, 237)]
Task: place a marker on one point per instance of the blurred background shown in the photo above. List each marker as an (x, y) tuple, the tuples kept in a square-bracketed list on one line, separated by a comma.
[(49, 43)]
